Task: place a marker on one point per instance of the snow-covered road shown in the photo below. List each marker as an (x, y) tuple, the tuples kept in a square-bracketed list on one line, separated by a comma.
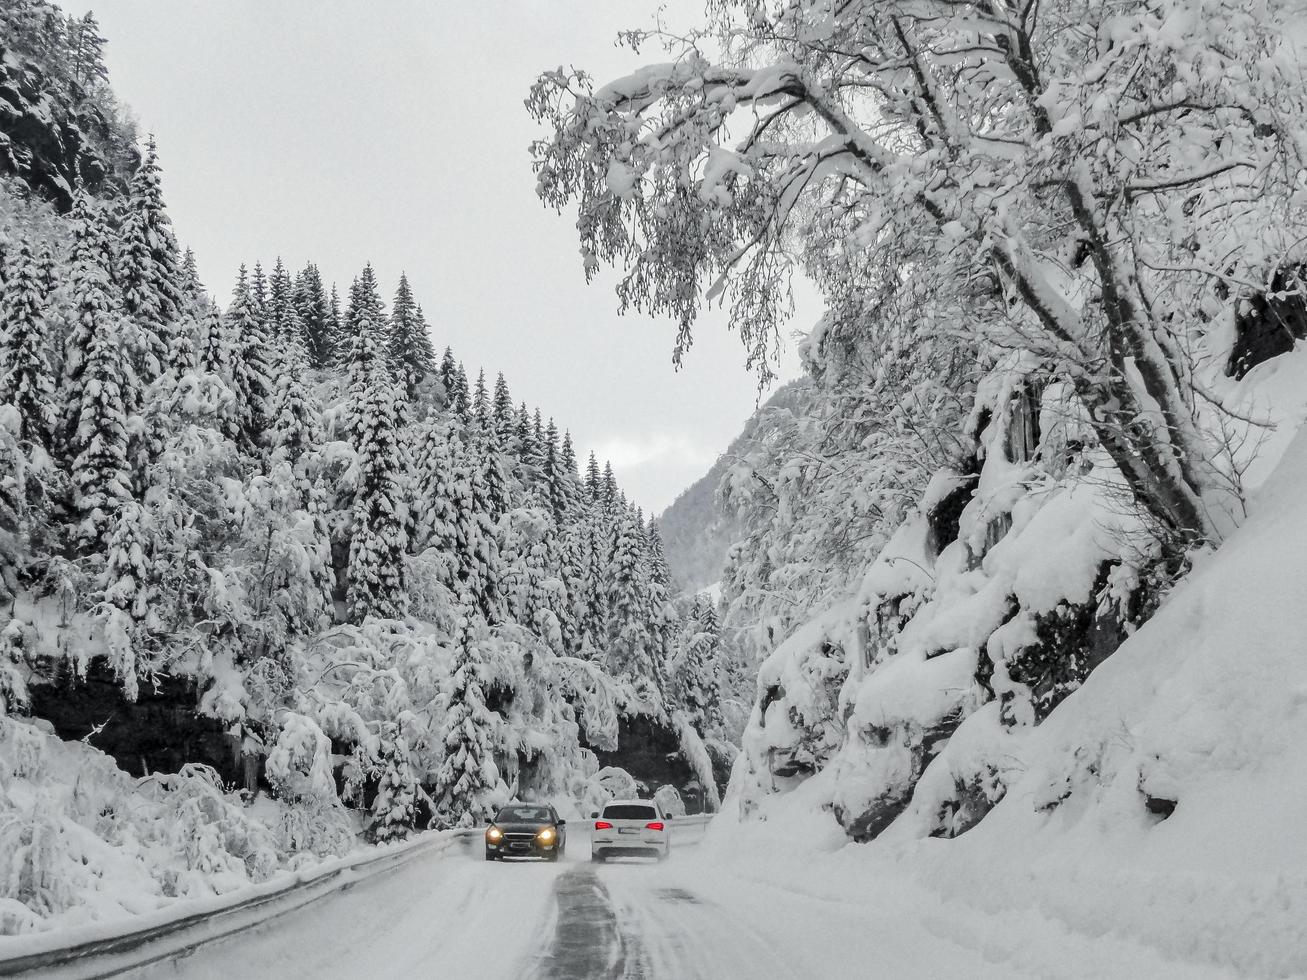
[(453, 915)]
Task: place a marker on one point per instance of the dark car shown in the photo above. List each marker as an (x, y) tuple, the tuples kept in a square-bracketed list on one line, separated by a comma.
[(526, 830)]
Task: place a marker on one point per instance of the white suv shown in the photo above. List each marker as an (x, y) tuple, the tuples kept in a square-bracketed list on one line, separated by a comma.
[(631, 828)]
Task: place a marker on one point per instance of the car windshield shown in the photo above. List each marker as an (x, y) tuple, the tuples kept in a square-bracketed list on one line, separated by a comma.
[(629, 811), (525, 814)]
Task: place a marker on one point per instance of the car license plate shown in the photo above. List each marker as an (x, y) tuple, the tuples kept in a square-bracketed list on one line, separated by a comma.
[(628, 830), (519, 847)]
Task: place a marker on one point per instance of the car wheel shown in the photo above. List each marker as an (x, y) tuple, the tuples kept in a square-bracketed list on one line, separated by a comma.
[(596, 858), (667, 852), (491, 857), (552, 856)]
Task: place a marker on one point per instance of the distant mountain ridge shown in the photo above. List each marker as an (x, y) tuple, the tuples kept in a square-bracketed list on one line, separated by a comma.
[(697, 531)]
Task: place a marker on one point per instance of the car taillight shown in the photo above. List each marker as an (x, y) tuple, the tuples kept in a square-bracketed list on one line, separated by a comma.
[(603, 825), (656, 825)]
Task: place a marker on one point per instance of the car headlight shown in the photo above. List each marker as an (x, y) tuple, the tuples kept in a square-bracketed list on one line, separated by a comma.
[(546, 836), (494, 835)]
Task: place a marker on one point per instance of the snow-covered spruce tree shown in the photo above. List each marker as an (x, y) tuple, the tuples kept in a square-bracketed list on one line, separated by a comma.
[(102, 475), (503, 416), (26, 378), (696, 682), (409, 348), (294, 426), (129, 586), (314, 308), (467, 787), (460, 395), (480, 404), (334, 333), (477, 561), (529, 450), (378, 538), (631, 644), (251, 365), (436, 496), (364, 320), (148, 269), (393, 810), (448, 369), (284, 324), (259, 293), (91, 295)]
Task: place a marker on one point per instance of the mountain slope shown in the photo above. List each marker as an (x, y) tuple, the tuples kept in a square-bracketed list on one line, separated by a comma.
[(697, 531)]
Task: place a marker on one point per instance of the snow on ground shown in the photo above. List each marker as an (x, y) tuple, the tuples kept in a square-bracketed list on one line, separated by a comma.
[(714, 912)]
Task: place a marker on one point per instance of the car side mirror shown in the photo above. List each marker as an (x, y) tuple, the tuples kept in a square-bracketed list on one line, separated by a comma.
[(669, 816), (594, 814), (561, 823)]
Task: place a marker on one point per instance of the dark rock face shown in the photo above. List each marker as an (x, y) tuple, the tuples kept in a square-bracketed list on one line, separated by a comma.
[(870, 823), (159, 732), (944, 518), (50, 133), (970, 802), (1268, 324), (652, 755), (1074, 638), (1158, 807)]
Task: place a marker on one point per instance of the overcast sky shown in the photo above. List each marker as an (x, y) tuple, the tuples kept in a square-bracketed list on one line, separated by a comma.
[(395, 133)]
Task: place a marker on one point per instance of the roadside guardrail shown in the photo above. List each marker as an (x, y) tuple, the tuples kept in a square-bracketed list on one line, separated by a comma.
[(108, 949)]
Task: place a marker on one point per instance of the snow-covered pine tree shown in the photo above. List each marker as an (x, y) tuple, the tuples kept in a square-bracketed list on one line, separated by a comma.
[(314, 309), (191, 286), (448, 370), (148, 269), (658, 570), (284, 323), (436, 495), (476, 556), (379, 539), (467, 785), (608, 492), (251, 365), (26, 379), (86, 52), (593, 485), (630, 642), (481, 403), (493, 477), (99, 442), (128, 580), (333, 335), (504, 420), (91, 295), (530, 451), (556, 478), (393, 809), (365, 359), (294, 427), (461, 399), (409, 347), (259, 293), (696, 682), (426, 349), (129, 586)]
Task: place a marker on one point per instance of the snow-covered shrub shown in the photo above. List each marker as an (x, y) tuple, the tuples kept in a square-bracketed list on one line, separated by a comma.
[(669, 800), (36, 870), (221, 847), (393, 807), (13, 681), (300, 772)]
